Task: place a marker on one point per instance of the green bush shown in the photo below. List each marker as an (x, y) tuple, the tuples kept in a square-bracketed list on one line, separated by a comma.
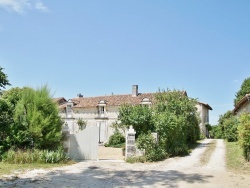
[(116, 140), (34, 156), (176, 120), (216, 132), (244, 135), (230, 129), (202, 137), (153, 152)]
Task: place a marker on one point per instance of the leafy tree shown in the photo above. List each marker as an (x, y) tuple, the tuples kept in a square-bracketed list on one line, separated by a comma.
[(245, 89), (216, 132), (12, 134), (140, 116), (3, 79), (173, 115), (244, 135), (230, 129), (152, 150), (176, 120), (39, 114), (221, 122)]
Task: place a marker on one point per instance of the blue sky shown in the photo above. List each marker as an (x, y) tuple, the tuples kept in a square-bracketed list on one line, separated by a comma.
[(99, 47)]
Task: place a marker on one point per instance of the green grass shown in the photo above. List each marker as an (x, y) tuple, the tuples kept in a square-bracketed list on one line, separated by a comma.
[(234, 158), (206, 155), (6, 169)]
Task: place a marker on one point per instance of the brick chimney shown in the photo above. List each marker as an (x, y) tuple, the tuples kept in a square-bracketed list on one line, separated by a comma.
[(134, 90)]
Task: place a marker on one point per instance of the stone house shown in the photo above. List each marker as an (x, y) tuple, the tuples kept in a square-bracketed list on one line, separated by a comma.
[(103, 111), (203, 111), (243, 106)]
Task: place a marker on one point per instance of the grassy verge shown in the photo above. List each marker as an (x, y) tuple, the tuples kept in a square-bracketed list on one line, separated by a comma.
[(206, 155), (235, 160)]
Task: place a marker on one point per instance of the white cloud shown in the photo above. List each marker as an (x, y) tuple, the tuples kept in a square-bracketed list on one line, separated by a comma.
[(20, 6), (40, 6)]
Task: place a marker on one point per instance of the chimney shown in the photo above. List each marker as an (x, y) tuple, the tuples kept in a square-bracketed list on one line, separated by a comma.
[(80, 95), (134, 90)]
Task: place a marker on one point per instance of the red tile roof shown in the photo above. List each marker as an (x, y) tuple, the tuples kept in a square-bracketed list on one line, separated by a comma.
[(112, 100), (59, 100)]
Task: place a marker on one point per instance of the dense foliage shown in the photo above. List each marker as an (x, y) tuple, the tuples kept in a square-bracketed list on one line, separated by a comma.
[(29, 119), (173, 116), (176, 120), (3, 79), (216, 132), (140, 116), (116, 140), (245, 89), (244, 135), (226, 129), (230, 129), (34, 156), (152, 150)]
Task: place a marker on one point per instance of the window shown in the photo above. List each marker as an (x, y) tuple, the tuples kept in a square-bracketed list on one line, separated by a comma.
[(101, 110), (69, 110)]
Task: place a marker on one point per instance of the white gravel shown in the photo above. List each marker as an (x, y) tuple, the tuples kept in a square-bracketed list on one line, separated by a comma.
[(173, 172)]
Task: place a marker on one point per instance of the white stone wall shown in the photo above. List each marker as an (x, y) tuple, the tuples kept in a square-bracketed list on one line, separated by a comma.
[(245, 108), (204, 117), (91, 116)]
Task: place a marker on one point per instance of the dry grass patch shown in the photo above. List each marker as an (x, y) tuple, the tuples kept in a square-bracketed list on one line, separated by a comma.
[(7, 169), (206, 155), (235, 160)]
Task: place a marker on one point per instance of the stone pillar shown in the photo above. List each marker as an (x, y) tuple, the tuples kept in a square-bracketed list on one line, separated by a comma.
[(155, 136), (130, 143), (66, 139)]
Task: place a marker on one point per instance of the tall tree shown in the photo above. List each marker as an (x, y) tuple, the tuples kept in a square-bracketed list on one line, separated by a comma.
[(140, 116), (12, 134), (244, 89), (39, 114), (3, 79), (176, 121)]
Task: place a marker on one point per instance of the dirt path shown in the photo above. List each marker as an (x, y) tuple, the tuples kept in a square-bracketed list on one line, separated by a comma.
[(173, 172)]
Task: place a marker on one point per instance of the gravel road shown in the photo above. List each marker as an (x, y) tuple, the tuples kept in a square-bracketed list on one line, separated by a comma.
[(174, 172)]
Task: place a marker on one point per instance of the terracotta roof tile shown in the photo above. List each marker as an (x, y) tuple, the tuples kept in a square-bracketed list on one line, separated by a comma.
[(113, 100)]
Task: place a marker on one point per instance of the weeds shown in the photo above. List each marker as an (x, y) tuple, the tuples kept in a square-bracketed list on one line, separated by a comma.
[(34, 156), (206, 155), (234, 158)]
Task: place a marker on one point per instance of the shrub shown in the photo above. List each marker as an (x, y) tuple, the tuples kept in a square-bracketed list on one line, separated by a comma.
[(117, 139), (176, 120), (244, 135), (153, 152), (230, 129), (216, 132), (202, 137)]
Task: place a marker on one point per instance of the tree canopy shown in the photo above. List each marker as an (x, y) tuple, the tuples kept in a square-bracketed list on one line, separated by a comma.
[(176, 121), (29, 119), (244, 89), (172, 115), (3, 79)]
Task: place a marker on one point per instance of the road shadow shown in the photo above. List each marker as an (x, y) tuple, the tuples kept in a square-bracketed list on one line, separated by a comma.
[(95, 176)]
